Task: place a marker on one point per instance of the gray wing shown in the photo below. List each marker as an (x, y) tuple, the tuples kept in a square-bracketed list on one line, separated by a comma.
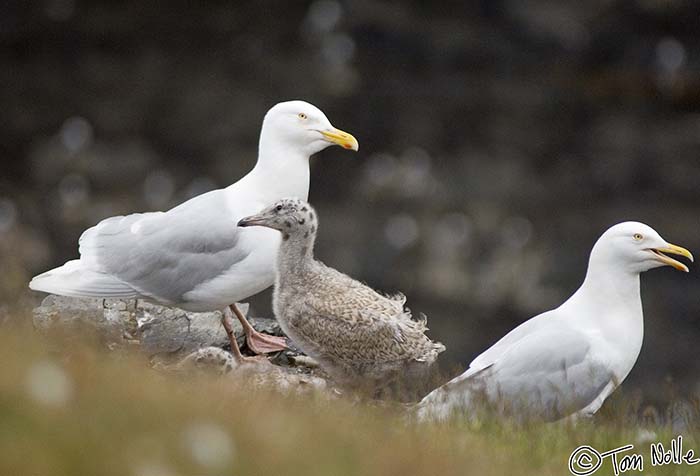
[(550, 373), (493, 353), (166, 254)]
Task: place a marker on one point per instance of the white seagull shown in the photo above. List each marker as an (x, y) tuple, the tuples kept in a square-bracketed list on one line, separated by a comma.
[(194, 256), (569, 360)]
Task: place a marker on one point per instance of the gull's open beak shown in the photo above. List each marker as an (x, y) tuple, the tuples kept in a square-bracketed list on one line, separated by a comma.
[(674, 250), (343, 139), (255, 220)]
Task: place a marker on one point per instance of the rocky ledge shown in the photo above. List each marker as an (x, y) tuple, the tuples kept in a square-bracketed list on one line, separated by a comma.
[(176, 340)]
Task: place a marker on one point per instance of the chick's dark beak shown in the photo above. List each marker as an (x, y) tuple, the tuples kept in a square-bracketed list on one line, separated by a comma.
[(254, 220)]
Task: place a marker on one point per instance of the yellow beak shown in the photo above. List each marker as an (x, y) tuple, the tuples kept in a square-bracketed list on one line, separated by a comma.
[(343, 139), (674, 250)]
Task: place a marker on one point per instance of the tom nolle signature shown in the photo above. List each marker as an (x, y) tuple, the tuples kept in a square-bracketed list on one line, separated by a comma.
[(586, 460)]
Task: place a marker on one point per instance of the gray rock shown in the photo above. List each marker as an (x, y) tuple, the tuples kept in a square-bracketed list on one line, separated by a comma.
[(158, 329), (212, 360), (176, 340), (163, 330), (257, 373), (109, 319)]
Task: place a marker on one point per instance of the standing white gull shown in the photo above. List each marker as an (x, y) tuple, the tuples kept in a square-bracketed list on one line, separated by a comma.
[(569, 360), (194, 256)]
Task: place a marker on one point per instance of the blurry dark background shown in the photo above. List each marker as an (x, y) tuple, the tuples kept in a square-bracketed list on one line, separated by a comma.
[(498, 140)]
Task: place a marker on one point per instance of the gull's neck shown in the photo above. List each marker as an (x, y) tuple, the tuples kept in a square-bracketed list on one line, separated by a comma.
[(608, 304), (612, 286), (283, 170), (296, 256)]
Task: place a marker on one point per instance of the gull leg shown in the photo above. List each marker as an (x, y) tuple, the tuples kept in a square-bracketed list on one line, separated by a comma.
[(226, 322), (258, 342), (235, 350), (237, 356)]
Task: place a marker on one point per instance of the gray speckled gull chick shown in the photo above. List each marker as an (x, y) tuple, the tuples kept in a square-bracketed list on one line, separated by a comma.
[(357, 335)]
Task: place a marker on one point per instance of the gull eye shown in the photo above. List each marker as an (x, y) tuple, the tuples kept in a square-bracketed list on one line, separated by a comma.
[(278, 208), (638, 237), (301, 116)]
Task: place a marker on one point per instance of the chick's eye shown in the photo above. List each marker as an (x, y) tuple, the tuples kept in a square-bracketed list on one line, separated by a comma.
[(638, 237), (301, 115), (278, 208)]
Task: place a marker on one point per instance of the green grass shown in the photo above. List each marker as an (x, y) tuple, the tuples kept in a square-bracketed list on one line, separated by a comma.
[(90, 412)]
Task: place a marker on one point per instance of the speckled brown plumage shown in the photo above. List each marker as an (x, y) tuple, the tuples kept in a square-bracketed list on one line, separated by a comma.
[(357, 335)]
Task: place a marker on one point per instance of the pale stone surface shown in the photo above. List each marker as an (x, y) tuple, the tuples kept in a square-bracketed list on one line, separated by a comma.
[(176, 340), (158, 329), (109, 319), (260, 372), (172, 330)]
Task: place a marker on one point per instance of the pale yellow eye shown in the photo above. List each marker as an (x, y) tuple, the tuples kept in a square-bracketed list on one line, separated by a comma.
[(638, 237), (301, 115)]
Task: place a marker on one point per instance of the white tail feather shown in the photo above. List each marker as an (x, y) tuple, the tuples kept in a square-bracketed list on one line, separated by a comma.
[(74, 280)]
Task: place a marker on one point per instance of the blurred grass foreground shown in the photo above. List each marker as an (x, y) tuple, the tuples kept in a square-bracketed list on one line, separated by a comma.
[(78, 410)]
